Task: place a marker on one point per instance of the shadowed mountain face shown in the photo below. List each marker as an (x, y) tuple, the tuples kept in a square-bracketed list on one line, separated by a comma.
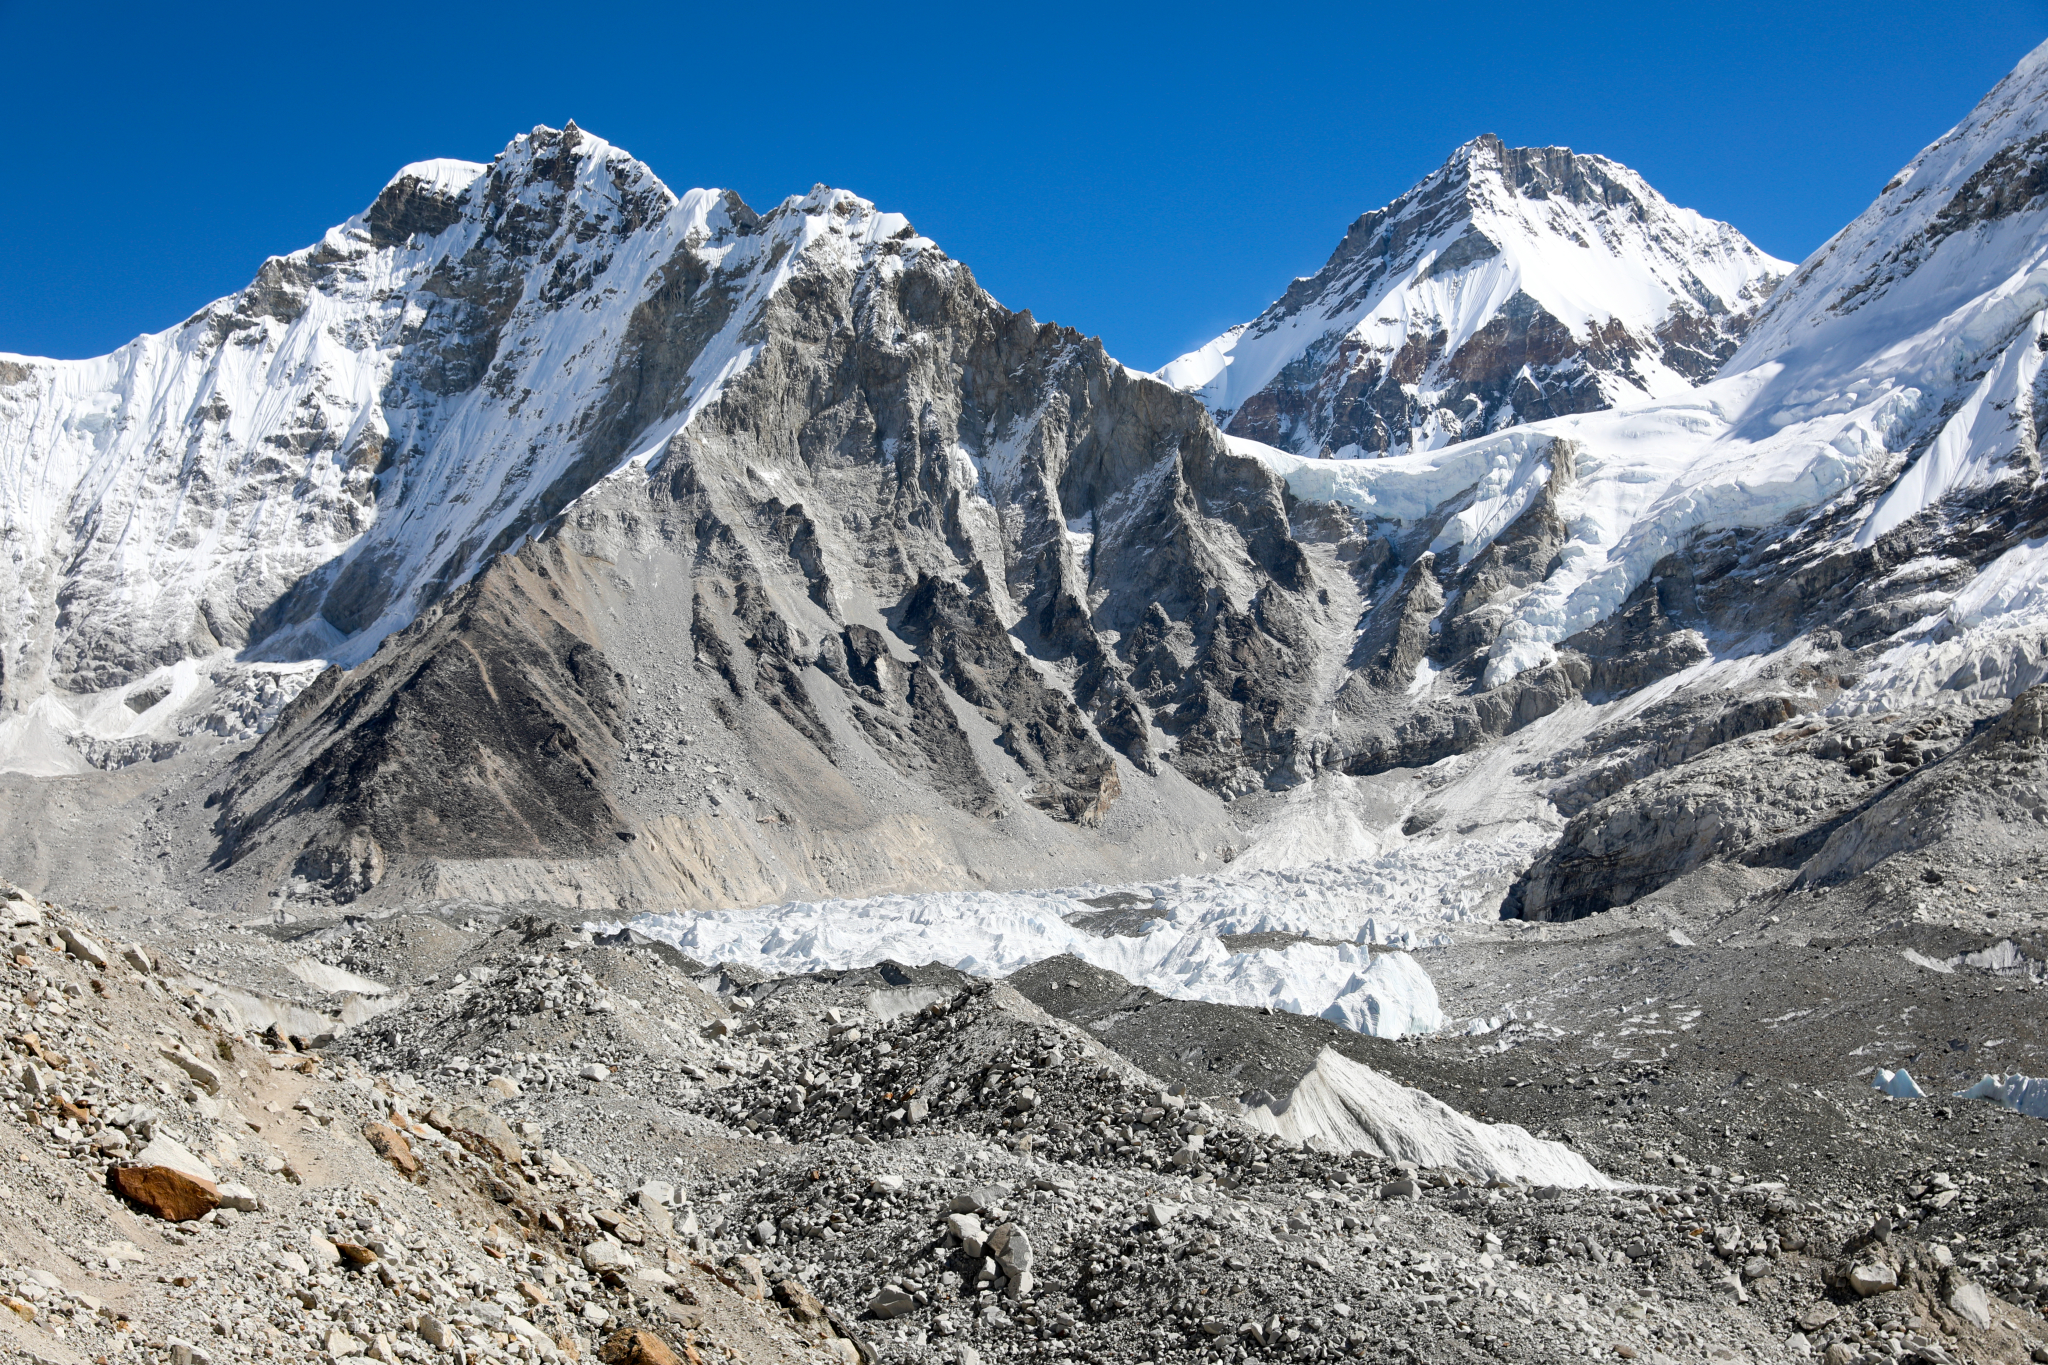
[(917, 535)]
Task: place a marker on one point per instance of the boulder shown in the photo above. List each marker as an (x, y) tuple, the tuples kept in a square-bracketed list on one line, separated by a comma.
[(1012, 1248), (606, 1254), (892, 1302), (493, 1131), (747, 1270), (161, 1151), (803, 1305), (165, 1191), (1968, 1301), (1873, 1277), (356, 1254), (78, 945), (240, 1198), (202, 1073), (636, 1347), (393, 1146)]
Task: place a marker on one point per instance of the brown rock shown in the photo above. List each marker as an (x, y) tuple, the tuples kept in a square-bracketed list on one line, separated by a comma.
[(169, 1194), (355, 1254), (801, 1303), (636, 1347), (392, 1145)]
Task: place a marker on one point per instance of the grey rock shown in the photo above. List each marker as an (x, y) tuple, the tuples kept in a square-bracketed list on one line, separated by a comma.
[(892, 1302), (1969, 1302)]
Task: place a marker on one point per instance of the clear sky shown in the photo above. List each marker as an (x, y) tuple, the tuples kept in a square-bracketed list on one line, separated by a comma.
[(1147, 173)]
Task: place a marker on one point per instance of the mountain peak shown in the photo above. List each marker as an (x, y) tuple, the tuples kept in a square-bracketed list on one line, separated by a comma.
[(1510, 284)]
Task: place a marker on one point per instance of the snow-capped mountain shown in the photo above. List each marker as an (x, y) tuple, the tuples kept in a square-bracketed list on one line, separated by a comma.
[(1512, 284), (296, 470), (1845, 529), (679, 555)]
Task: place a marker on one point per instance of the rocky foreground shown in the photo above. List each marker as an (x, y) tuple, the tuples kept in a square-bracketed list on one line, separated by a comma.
[(559, 1147)]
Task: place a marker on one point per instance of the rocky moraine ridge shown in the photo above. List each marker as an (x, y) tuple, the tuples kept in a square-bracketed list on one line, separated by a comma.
[(561, 1146)]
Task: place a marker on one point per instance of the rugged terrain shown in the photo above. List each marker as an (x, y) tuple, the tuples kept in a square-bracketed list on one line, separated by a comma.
[(537, 1141), (587, 761)]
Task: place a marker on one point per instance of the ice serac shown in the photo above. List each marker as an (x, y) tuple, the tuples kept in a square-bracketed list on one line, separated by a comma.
[(1513, 284), (1347, 1106)]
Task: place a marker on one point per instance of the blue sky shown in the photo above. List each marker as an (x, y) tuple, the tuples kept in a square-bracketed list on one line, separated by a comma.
[(1147, 173)]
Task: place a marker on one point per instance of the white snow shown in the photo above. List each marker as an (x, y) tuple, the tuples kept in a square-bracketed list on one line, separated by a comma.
[(1897, 1084), (1346, 1106), (444, 175)]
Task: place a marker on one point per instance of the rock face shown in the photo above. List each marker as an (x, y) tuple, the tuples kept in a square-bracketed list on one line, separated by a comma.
[(1513, 284)]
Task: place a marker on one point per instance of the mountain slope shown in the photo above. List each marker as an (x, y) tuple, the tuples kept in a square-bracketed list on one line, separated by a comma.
[(899, 590), (1513, 284), (297, 469)]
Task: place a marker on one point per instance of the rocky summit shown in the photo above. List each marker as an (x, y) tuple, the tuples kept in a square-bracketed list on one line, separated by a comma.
[(589, 771)]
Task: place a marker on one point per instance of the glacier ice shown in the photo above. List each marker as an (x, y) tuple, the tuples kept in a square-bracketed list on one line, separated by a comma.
[(2026, 1095), (1347, 1106)]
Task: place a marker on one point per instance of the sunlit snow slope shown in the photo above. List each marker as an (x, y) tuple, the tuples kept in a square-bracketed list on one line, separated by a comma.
[(1512, 284), (296, 470)]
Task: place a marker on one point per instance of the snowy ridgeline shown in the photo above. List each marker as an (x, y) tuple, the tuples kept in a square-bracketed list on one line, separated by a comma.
[(1166, 935), (1919, 329)]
